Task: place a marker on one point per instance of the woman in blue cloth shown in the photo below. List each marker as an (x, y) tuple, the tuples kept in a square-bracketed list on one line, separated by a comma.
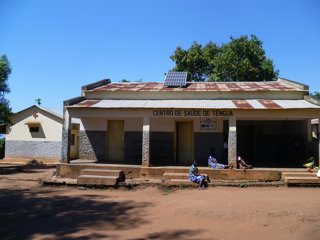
[(213, 163), (195, 177)]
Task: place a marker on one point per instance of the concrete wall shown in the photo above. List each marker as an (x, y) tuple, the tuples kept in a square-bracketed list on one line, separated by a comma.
[(93, 139), (163, 133), (45, 144), (161, 124), (133, 147), (50, 127), (101, 124), (276, 114), (273, 143), (73, 171), (33, 149), (179, 94), (92, 145), (162, 148), (162, 139), (203, 144)]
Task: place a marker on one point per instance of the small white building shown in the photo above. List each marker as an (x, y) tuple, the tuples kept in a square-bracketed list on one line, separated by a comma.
[(36, 133)]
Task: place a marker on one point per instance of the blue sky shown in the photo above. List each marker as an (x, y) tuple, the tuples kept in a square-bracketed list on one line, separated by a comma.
[(56, 46)]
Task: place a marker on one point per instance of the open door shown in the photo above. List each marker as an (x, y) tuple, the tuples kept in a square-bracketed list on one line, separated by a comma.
[(115, 141), (184, 143)]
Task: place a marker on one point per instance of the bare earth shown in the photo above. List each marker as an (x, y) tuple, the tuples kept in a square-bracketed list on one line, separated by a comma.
[(30, 211)]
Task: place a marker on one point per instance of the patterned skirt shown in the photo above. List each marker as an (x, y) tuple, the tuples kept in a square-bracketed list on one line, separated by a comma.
[(196, 179), (216, 165)]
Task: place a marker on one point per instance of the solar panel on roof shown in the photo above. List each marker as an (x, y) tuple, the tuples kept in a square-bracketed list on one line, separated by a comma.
[(175, 79)]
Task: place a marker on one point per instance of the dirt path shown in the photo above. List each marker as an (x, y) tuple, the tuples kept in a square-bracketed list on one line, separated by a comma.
[(29, 211)]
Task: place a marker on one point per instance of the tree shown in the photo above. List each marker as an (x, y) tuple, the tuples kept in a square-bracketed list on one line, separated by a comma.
[(241, 59), (316, 94), (5, 70), (197, 60)]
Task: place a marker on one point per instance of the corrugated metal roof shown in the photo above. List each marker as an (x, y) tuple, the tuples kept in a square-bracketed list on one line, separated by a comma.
[(198, 104), (57, 113), (199, 87), (54, 112)]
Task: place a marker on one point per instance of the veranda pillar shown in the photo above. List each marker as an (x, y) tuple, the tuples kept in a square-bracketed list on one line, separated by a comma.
[(66, 136), (232, 140), (146, 142), (319, 141)]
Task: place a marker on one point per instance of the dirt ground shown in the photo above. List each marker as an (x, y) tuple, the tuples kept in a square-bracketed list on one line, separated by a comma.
[(31, 211)]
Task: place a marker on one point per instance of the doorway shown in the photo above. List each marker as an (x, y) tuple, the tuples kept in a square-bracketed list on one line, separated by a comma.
[(184, 144), (74, 145), (115, 141)]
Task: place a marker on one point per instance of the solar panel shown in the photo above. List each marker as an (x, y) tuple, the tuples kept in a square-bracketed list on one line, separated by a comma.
[(175, 79)]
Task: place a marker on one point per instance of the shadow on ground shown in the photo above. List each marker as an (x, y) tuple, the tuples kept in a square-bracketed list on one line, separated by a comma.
[(8, 170), (25, 214), (176, 234)]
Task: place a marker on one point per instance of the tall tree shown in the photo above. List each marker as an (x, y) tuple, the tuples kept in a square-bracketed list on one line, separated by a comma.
[(197, 60), (241, 59), (5, 70), (316, 94)]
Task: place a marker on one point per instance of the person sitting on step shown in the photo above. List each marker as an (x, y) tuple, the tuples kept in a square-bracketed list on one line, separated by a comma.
[(195, 177), (213, 163), (310, 165), (242, 164)]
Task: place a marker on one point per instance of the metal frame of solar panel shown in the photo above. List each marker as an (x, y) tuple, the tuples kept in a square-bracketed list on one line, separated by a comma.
[(175, 79)]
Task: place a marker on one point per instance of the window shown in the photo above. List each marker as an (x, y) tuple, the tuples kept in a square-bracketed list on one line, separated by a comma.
[(33, 129)]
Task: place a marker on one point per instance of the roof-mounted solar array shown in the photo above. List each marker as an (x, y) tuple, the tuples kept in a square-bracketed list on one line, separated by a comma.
[(175, 79)]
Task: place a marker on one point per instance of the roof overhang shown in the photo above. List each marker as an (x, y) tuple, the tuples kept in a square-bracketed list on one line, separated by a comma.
[(196, 104)]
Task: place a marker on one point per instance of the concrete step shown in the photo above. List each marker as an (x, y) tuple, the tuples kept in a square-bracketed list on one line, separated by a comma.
[(182, 176), (178, 179), (302, 180), (175, 176), (97, 180), (179, 182), (101, 172), (298, 174)]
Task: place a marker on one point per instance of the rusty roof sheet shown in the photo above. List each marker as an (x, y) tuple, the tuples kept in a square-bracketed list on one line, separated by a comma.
[(199, 87), (197, 104)]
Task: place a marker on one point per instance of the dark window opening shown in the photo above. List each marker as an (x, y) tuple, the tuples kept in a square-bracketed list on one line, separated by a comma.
[(33, 129)]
